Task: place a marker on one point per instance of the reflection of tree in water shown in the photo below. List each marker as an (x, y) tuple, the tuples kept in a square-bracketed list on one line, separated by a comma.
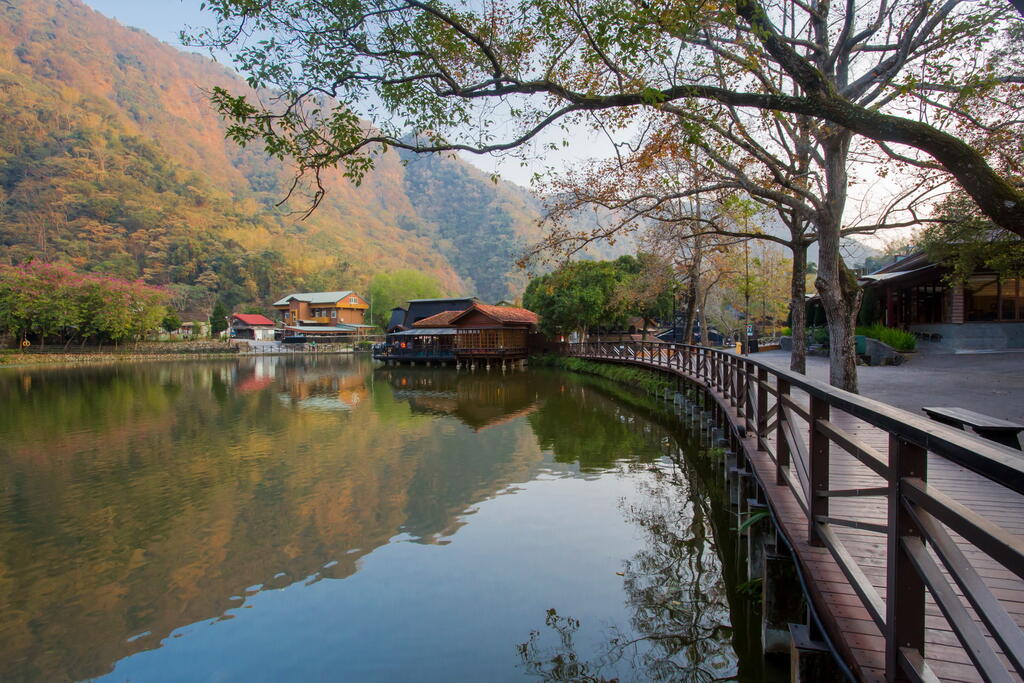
[(605, 430), (676, 586)]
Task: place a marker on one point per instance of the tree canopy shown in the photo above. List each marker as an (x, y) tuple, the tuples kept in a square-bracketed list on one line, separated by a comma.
[(582, 295), (935, 78), (47, 301), (966, 242), (388, 290)]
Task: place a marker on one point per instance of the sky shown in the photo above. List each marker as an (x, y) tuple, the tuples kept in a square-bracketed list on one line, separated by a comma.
[(164, 19)]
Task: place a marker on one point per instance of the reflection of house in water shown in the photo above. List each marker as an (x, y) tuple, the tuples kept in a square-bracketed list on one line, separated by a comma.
[(328, 389), (255, 374), (477, 400)]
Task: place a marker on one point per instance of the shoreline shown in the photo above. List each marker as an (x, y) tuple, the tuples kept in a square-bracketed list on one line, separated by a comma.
[(49, 360)]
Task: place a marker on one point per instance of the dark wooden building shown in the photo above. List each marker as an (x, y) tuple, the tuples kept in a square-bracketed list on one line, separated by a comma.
[(420, 309), (478, 332), (986, 312), (501, 332)]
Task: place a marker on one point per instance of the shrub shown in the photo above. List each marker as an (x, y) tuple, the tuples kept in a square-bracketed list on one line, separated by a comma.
[(819, 335), (897, 339), (786, 331)]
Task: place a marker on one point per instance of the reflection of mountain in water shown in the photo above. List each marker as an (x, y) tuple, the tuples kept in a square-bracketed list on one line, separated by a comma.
[(142, 499)]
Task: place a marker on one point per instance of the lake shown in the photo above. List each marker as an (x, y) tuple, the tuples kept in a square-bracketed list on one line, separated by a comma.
[(320, 518)]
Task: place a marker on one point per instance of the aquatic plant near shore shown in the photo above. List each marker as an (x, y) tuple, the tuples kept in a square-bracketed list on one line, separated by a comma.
[(651, 382)]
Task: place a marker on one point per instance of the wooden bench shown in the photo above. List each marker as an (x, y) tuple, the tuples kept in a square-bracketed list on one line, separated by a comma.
[(1000, 431)]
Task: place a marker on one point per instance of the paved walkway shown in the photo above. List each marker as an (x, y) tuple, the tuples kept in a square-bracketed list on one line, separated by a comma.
[(991, 383)]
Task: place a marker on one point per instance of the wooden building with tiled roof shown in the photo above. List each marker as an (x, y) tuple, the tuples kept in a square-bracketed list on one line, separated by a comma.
[(479, 332), (500, 332)]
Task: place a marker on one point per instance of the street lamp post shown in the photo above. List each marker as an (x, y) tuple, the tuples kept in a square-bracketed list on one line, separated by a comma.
[(746, 293)]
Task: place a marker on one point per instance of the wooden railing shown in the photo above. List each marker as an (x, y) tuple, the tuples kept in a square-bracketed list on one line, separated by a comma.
[(796, 421)]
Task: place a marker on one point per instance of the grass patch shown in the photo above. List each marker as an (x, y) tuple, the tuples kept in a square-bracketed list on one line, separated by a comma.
[(897, 339), (652, 382)]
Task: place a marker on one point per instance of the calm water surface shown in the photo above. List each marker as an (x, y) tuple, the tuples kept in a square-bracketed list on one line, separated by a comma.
[(319, 519)]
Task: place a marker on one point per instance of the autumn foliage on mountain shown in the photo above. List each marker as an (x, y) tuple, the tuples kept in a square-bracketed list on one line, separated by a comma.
[(113, 162)]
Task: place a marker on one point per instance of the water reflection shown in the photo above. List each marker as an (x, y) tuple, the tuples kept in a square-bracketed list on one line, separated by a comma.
[(137, 500), (478, 399), (683, 616)]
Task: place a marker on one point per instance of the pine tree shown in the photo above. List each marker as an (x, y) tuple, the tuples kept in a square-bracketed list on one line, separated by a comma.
[(218, 319)]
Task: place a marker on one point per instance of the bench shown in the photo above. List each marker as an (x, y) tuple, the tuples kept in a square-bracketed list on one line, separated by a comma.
[(1000, 431)]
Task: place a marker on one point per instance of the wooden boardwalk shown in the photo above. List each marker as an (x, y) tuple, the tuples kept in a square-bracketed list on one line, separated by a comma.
[(856, 455)]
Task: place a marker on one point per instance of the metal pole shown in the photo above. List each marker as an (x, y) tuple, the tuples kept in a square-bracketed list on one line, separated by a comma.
[(746, 292)]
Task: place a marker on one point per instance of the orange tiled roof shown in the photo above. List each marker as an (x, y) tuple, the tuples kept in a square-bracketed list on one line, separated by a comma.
[(442, 319), (505, 314)]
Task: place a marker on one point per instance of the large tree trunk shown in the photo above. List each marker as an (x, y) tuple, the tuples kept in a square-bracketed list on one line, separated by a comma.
[(692, 300), (690, 314), (798, 306), (840, 295), (705, 338)]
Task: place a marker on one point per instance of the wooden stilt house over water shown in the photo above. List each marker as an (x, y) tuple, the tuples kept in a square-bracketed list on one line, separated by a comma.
[(484, 331), (477, 332)]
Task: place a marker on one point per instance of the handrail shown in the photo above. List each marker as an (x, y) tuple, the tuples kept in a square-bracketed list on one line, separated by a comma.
[(743, 388), (966, 449)]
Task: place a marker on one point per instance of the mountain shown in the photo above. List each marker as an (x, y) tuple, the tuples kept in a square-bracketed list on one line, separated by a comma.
[(112, 160)]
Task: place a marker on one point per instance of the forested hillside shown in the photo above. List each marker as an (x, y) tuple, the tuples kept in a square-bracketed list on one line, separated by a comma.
[(112, 161)]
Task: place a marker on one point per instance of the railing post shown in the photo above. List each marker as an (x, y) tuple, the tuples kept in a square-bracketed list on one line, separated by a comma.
[(781, 445), (741, 389), (905, 589), (727, 378), (750, 379), (762, 409), (817, 468), (738, 385), (723, 364)]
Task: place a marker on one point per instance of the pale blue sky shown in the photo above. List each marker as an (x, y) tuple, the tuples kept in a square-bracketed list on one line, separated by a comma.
[(166, 18), (162, 18)]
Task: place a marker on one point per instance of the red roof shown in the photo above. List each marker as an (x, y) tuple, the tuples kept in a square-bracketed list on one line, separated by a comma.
[(442, 319), (503, 314), (253, 319)]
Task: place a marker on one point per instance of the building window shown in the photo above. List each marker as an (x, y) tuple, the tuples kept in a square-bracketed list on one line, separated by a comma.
[(354, 300), (991, 298), (334, 312)]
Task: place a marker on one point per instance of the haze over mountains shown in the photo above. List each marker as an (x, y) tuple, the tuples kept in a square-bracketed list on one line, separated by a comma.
[(112, 160)]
